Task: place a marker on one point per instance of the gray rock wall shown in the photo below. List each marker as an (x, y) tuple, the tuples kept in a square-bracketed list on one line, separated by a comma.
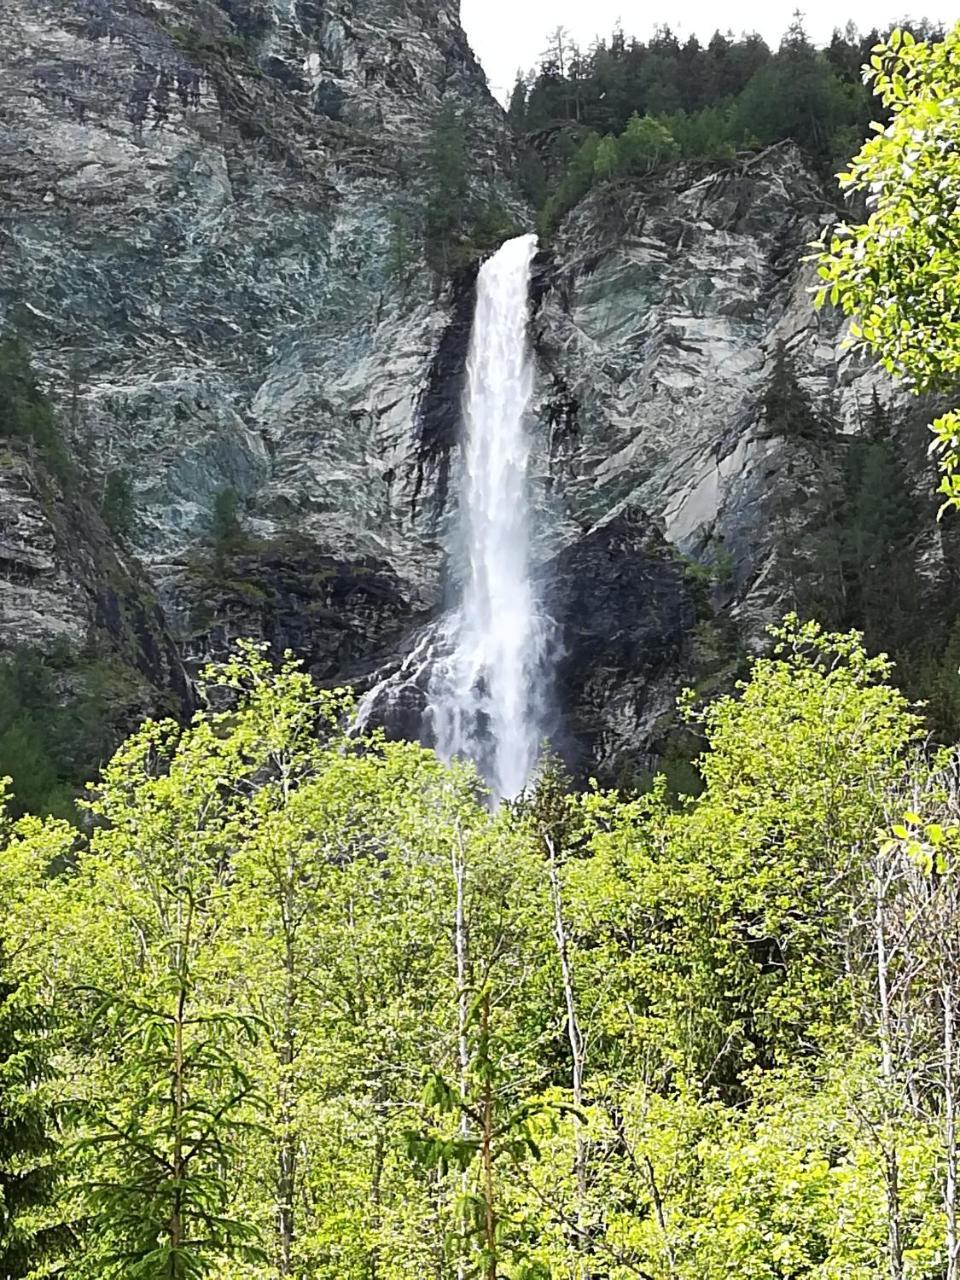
[(197, 203)]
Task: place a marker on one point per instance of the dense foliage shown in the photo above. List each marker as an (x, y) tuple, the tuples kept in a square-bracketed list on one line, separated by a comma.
[(897, 274), (627, 106), (303, 1007)]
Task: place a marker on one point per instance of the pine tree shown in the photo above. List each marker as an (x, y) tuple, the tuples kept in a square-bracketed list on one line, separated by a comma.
[(117, 505), (28, 1150), (227, 531), (517, 110)]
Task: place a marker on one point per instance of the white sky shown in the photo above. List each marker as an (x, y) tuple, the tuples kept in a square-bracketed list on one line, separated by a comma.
[(511, 34)]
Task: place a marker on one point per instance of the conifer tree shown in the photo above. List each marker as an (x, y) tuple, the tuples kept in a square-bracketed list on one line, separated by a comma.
[(31, 1231), (517, 110), (117, 505), (28, 1149)]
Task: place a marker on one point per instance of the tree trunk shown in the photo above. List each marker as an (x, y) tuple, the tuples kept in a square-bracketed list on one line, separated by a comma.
[(376, 1194), (287, 1145), (661, 1213), (950, 1128), (489, 1215), (577, 1054), (463, 1006), (286, 1163), (179, 1089), (890, 1154)]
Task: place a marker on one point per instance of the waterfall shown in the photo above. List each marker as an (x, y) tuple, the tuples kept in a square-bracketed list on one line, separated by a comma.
[(486, 695)]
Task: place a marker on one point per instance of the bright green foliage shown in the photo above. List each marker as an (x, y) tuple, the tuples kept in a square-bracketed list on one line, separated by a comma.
[(309, 1010), (897, 275), (799, 769), (748, 883), (28, 1148), (644, 144), (27, 1168), (607, 161), (161, 1114), (710, 133), (32, 1231)]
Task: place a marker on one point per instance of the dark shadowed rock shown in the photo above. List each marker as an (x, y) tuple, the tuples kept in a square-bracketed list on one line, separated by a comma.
[(625, 615)]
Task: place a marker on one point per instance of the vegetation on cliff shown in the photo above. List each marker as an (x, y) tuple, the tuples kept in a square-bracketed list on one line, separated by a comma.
[(625, 106), (897, 274)]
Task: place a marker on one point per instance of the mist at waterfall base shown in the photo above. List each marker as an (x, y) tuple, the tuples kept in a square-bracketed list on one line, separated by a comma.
[(487, 692)]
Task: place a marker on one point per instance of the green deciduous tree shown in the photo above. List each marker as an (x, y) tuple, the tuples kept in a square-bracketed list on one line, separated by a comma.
[(29, 1167), (644, 144), (294, 1003), (897, 274)]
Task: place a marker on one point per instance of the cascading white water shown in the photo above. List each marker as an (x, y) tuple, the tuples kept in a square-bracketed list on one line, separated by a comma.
[(486, 698)]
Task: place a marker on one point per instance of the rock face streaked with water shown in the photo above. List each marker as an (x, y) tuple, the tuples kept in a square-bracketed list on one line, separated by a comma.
[(487, 696)]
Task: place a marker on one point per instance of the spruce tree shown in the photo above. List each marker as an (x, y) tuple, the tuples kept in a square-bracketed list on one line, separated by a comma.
[(787, 409), (517, 110), (227, 530), (117, 505), (28, 1171), (448, 185), (25, 411)]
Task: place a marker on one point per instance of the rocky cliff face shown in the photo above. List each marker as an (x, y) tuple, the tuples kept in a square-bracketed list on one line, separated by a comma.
[(203, 213), (685, 373), (667, 312), (198, 203)]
